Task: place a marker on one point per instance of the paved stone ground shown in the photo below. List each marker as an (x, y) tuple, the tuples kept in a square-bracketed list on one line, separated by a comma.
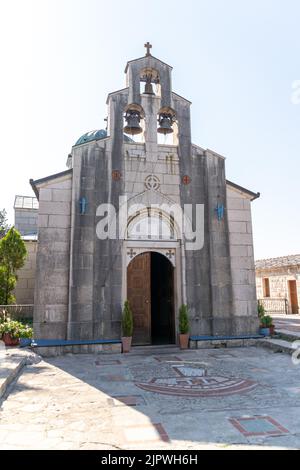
[(287, 323), (12, 360), (155, 399)]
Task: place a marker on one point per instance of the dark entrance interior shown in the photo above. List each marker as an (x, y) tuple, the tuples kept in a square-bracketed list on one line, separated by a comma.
[(162, 300), (150, 291)]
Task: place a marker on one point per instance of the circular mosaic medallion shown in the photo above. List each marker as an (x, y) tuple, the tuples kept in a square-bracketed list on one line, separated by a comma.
[(186, 179), (152, 182), (194, 386), (116, 175)]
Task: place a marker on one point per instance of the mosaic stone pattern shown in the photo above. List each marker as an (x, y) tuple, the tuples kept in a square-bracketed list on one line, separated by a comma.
[(258, 426), (198, 386)]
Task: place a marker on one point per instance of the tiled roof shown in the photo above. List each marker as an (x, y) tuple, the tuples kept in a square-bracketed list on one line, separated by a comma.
[(283, 261)]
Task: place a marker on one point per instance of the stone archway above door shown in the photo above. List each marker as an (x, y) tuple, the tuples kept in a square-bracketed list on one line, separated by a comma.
[(132, 252)]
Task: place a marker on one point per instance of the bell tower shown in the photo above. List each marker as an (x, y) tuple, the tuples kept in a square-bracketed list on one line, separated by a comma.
[(148, 116)]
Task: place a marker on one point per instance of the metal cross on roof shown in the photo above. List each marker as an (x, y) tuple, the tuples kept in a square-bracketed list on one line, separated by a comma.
[(148, 47)]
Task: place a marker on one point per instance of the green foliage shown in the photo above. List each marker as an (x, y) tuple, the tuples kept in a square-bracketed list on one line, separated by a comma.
[(127, 320), (12, 251), (260, 310), (183, 320), (15, 329), (4, 227), (3, 315), (12, 257), (266, 321), (7, 285)]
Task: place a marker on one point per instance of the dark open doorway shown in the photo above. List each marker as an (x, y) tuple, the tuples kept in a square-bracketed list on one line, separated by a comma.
[(162, 300), (150, 292)]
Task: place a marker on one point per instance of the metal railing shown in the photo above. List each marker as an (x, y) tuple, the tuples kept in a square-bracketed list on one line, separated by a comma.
[(275, 305), (17, 312)]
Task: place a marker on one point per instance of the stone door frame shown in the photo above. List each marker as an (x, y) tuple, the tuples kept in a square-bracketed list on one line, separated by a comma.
[(173, 251)]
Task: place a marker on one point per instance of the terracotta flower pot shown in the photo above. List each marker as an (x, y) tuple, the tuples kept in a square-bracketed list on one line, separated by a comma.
[(184, 341), (126, 344), (272, 330), (9, 341)]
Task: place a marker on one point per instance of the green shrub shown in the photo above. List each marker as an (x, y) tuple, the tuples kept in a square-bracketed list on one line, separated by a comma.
[(127, 320), (15, 329), (260, 310), (183, 320), (266, 321), (12, 258)]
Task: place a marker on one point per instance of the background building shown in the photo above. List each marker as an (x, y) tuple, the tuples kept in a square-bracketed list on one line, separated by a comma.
[(26, 221), (278, 283)]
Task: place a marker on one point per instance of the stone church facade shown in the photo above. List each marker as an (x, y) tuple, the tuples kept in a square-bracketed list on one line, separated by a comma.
[(148, 160)]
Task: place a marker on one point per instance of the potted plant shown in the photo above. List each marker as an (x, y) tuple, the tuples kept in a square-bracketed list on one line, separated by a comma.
[(127, 327), (266, 325), (11, 331), (260, 310), (184, 327)]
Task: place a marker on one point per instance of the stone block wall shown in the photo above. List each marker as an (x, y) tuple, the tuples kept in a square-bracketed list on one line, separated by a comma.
[(52, 268), (279, 283), (138, 167), (24, 291), (26, 220), (242, 261)]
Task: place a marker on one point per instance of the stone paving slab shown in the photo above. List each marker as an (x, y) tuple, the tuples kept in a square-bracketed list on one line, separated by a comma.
[(279, 345), (288, 323), (72, 403), (12, 361)]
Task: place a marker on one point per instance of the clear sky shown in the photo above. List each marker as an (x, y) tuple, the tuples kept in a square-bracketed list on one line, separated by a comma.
[(235, 60)]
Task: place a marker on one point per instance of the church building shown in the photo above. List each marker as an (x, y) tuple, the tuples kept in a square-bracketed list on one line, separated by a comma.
[(141, 213)]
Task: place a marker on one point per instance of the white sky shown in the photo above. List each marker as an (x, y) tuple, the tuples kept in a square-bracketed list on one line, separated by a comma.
[(236, 61)]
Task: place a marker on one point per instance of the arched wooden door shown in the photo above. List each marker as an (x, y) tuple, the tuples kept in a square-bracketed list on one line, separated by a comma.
[(139, 297), (150, 292)]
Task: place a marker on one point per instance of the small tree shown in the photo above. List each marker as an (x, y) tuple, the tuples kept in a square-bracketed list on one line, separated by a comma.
[(4, 227), (127, 320), (260, 310), (12, 257), (183, 320), (266, 321)]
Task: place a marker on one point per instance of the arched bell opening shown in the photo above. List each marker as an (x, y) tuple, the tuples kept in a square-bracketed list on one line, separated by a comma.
[(134, 122), (167, 130), (149, 82)]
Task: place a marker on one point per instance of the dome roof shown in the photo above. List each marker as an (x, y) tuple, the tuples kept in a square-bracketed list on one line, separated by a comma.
[(97, 135), (92, 135)]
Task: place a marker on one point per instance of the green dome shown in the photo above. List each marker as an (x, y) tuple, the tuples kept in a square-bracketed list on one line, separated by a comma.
[(92, 135), (97, 135)]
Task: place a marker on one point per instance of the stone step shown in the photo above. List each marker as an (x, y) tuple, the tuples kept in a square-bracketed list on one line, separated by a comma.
[(155, 349), (10, 368), (288, 335), (12, 361), (278, 345)]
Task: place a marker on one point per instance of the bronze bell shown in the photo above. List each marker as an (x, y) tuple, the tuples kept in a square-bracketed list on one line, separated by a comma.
[(149, 89), (165, 123), (133, 122), (148, 86)]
